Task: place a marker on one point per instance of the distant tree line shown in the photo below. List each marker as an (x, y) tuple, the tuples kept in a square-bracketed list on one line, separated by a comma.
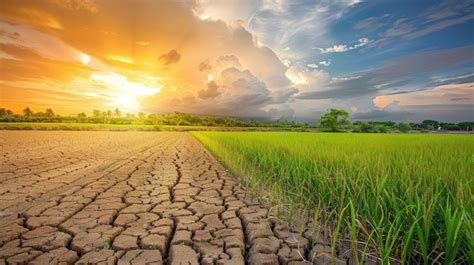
[(117, 117), (337, 120)]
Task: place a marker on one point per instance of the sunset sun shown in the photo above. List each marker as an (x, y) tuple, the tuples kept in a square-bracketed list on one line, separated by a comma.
[(85, 59)]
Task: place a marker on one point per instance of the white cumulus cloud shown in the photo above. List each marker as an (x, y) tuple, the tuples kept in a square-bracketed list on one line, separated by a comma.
[(343, 47), (325, 63)]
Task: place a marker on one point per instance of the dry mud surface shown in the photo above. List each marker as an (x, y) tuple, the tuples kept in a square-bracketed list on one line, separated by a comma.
[(132, 198)]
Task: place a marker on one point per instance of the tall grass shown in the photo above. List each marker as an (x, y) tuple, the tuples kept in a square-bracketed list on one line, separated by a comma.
[(410, 197)]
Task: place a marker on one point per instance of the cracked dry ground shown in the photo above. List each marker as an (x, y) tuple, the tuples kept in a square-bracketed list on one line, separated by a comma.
[(131, 198)]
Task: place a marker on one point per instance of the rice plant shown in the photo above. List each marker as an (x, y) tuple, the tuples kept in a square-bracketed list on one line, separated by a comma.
[(410, 197)]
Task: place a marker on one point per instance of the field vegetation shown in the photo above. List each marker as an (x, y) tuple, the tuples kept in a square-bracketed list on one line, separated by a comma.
[(117, 118), (402, 197), (75, 126), (335, 120)]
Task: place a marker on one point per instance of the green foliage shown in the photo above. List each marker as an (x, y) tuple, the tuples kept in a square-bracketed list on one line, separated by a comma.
[(430, 124), (27, 112), (408, 196), (404, 127), (366, 127), (117, 117), (334, 120)]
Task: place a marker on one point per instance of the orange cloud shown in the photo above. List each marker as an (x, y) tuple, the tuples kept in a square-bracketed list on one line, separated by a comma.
[(127, 39), (86, 5), (450, 94)]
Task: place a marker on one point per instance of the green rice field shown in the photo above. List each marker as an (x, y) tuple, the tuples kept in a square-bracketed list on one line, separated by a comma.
[(407, 198)]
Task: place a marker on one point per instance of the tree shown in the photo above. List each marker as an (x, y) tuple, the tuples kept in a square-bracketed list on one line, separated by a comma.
[(81, 115), (5, 112), (366, 127), (403, 127), (96, 113), (334, 120), (49, 113), (466, 126), (117, 112), (430, 124), (27, 112), (380, 128)]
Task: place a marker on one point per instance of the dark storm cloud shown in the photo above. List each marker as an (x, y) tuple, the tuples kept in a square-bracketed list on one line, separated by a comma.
[(442, 112), (171, 57), (459, 99), (417, 113), (382, 115)]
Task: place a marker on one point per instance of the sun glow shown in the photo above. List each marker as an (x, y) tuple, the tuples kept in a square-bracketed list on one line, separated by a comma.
[(85, 59), (126, 103), (124, 94)]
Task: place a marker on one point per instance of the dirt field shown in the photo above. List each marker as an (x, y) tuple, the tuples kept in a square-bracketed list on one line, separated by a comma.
[(130, 197)]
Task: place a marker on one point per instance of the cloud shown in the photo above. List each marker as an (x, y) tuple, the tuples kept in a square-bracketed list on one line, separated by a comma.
[(393, 74), (143, 43), (49, 58), (454, 79), (442, 112), (424, 62), (210, 92), (283, 95), (372, 24), (225, 10), (442, 94), (304, 79), (446, 14), (410, 30), (381, 115), (171, 57), (448, 9), (283, 111), (335, 48), (78, 5), (243, 81), (392, 112), (295, 24), (205, 66), (325, 63), (227, 61), (246, 58), (344, 48)]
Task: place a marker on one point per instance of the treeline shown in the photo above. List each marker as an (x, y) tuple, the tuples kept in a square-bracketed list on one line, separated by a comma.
[(117, 117), (337, 120), (426, 125)]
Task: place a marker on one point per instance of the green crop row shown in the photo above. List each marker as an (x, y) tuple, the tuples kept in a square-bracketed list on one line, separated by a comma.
[(407, 197)]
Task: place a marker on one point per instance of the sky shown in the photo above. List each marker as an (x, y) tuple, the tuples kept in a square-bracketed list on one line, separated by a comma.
[(267, 59)]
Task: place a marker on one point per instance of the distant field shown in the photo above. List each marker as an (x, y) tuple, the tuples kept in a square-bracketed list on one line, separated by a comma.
[(129, 127), (410, 197)]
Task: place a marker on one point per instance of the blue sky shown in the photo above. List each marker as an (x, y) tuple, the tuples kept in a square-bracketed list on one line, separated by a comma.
[(269, 59), (363, 37)]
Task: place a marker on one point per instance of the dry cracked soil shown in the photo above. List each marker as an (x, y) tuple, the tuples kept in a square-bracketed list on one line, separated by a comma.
[(132, 198)]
